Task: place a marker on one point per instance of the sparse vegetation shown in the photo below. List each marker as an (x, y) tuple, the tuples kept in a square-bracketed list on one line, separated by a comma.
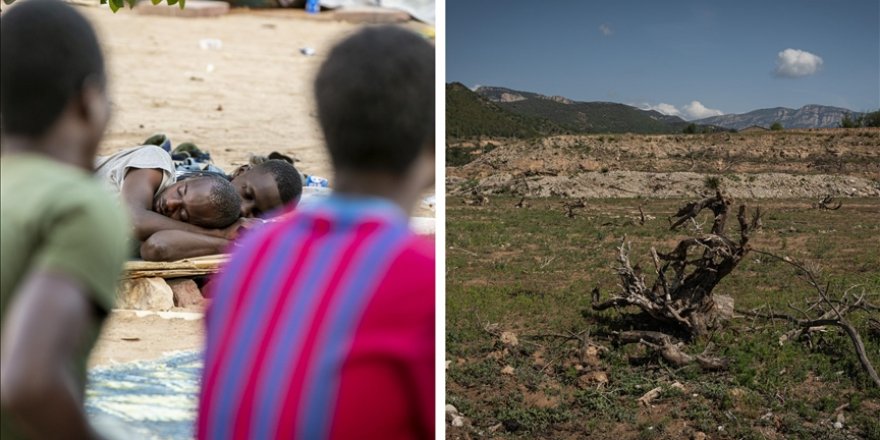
[(712, 183), (871, 119), (458, 156), (529, 272), (519, 265), (469, 115)]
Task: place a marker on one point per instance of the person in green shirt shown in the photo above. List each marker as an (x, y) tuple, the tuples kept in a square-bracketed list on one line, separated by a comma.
[(63, 239)]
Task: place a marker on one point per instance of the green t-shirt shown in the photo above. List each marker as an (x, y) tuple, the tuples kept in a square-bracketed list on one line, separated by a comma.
[(57, 217)]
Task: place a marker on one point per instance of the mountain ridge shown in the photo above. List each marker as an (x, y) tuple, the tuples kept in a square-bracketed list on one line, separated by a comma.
[(582, 117), (502, 111), (808, 116)]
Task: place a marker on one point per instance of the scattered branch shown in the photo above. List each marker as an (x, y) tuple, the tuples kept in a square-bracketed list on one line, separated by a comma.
[(570, 207), (826, 203), (825, 310), (670, 349), (476, 199)]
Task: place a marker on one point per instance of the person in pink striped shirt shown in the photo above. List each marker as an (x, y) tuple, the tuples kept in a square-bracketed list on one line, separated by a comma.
[(322, 324)]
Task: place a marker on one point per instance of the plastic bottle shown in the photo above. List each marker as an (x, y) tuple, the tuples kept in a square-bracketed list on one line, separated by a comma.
[(313, 6), (315, 181)]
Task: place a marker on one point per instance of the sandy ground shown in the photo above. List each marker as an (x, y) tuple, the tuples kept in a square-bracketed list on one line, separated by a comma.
[(251, 95), (127, 337)]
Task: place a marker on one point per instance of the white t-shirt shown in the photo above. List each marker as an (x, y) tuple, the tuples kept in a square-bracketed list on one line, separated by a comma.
[(111, 170)]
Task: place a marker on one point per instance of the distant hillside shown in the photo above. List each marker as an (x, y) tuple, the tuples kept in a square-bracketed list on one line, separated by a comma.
[(584, 117), (499, 111), (808, 116), (469, 115)]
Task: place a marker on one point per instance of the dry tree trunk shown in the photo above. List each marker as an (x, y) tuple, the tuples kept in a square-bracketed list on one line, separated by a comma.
[(826, 203), (681, 293), (570, 207), (669, 348)]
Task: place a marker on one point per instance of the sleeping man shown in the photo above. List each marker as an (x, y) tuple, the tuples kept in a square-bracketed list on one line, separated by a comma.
[(264, 188), (197, 215), (201, 214)]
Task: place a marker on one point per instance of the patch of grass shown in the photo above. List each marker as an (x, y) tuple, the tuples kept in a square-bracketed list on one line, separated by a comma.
[(712, 182), (531, 271)]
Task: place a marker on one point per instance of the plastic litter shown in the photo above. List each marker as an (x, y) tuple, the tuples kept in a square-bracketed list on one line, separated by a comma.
[(316, 181), (307, 51), (210, 44), (313, 6), (430, 202)]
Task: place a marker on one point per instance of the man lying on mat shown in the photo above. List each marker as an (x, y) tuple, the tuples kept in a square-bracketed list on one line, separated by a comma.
[(198, 215)]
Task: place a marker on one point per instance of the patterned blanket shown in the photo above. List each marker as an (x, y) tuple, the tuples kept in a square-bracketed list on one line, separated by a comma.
[(150, 399)]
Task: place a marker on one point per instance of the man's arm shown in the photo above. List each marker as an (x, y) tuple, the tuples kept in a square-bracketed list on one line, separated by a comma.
[(173, 245), (138, 193), (45, 327)]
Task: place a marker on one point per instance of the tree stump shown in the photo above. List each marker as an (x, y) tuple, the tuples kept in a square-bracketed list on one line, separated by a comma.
[(681, 293)]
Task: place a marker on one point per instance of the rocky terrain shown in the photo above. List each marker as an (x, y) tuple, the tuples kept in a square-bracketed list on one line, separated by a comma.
[(813, 163)]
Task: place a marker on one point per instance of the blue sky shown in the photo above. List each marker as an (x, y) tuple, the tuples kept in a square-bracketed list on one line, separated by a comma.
[(729, 57)]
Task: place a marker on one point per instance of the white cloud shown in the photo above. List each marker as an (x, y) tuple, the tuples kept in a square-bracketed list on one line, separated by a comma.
[(605, 29), (666, 109), (694, 110), (794, 63)]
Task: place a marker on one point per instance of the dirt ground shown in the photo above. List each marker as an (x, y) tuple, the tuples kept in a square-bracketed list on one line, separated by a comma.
[(127, 337), (528, 357), (250, 94), (839, 162)]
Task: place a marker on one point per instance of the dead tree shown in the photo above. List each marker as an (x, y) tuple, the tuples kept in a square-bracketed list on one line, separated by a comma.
[(874, 328), (826, 309), (718, 204), (475, 199), (826, 203), (681, 294), (570, 207), (670, 349)]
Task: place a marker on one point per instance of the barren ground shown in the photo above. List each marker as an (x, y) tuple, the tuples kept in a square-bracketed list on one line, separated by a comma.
[(807, 163), (517, 264)]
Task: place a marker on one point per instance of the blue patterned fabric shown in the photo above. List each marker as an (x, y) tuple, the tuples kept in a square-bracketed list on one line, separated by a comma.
[(147, 399)]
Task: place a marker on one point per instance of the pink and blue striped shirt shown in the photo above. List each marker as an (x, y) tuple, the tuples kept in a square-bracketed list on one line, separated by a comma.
[(321, 326)]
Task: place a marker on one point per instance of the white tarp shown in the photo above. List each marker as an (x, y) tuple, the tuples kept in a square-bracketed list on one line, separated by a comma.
[(422, 10)]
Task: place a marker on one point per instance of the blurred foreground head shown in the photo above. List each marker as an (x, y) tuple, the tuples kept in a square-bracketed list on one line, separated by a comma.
[(375, 97), (53, 80)]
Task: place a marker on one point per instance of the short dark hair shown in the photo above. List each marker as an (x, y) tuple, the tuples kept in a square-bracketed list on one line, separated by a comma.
[(375, 96), (287, 178), (49, 51), (225, 200)]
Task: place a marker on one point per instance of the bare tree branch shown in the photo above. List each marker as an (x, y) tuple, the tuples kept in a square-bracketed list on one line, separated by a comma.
[(831, 312), (681, 292)]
